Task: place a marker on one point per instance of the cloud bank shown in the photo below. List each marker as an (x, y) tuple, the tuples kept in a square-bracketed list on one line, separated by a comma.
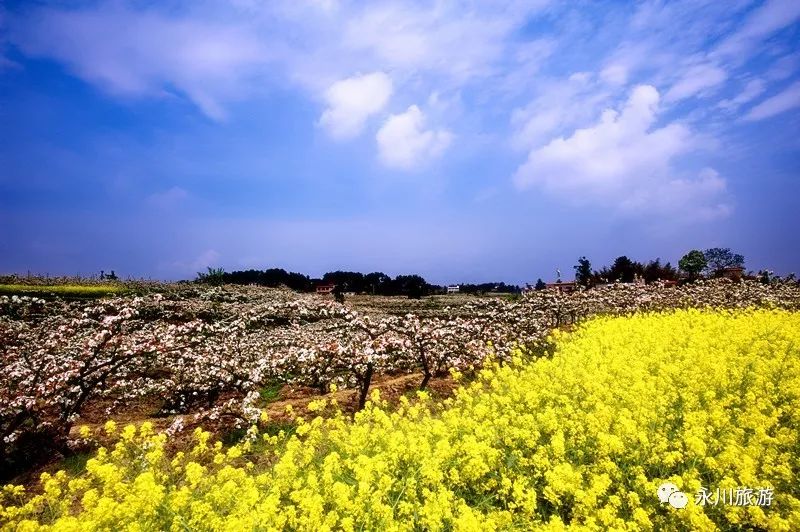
[(625, 162)]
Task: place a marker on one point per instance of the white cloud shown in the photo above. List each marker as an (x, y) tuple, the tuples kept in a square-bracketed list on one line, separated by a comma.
[(403, 141), (751, 91), (145, 53), (523, 65), (622, 162), (615, 74), (352, 101), (481, 57), (784, 67), (788, 99), (770, 17), (454, 39), (394, 34), (326, 5), (697, 80), (607, 155), (663, 39), (558, 106)]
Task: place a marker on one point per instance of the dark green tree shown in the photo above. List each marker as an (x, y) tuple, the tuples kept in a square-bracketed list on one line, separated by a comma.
[(693, 263), (214, 276), (624, 270), (272, 277), (583, 271), (377, 283), (412, 286), (655, 271), (482, 288), (348, 281), (338, 294), (539, 284)]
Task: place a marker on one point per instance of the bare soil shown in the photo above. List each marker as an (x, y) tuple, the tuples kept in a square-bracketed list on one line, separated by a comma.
[(96, 414)]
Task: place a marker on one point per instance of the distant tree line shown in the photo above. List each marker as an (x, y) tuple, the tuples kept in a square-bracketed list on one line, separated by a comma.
[(272, 277), (626, 270), (378, 283), (484, 288), (375, 283), (693, 265)]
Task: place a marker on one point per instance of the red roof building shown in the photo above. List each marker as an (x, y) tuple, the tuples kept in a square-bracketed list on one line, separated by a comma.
[(325, 288), (566, 287)]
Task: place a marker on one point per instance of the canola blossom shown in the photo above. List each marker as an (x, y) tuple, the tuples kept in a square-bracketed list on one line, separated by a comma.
[(582, 438)]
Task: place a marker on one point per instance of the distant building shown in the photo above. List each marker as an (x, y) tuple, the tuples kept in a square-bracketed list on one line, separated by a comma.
[(453, 289), (325, 288), (734, 272), (562, 286)]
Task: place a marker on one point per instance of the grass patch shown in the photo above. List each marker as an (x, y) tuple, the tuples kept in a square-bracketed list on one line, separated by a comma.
[(76, 463), (271, 391), (232, 437), (274, 428), (70, 291)]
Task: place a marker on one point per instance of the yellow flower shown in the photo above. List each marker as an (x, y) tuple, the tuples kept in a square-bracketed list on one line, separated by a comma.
[(581, 438)]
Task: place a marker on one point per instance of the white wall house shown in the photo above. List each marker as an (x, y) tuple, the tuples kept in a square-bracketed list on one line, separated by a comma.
[(453, 289)]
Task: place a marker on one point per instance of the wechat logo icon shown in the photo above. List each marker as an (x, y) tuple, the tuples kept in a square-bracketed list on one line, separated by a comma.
[(669, 493)]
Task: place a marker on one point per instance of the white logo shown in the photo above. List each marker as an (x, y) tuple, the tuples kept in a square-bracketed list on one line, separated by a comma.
[(669, 492)]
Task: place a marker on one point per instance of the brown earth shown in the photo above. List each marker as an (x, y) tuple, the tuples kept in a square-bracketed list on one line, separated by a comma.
[(95, 415)]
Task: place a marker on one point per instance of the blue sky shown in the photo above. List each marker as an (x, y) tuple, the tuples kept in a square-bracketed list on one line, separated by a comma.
[(465, 141)]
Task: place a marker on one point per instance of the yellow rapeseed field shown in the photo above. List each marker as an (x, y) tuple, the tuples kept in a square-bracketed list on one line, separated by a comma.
[(702, 399)]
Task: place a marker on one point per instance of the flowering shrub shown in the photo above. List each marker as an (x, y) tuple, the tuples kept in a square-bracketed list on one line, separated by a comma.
[(21, 307), (699, 398)]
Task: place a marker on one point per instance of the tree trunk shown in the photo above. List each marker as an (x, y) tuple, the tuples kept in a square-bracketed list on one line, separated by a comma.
[(425, 379), (364, 387), (426, 370)]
